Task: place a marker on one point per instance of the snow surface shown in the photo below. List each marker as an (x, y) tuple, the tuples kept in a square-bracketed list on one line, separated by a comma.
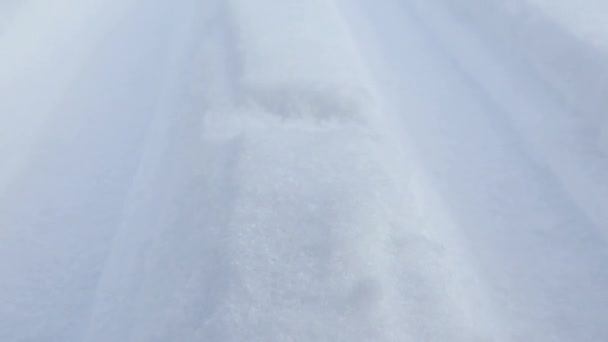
[(322, 170)]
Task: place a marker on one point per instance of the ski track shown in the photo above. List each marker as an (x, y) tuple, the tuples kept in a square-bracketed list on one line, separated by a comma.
[(504, 199), (375, 178)]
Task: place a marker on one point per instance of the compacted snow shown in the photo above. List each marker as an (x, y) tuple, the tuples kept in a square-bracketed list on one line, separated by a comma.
[(321, 170)]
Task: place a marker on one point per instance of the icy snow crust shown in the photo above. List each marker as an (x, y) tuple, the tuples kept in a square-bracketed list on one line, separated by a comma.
[(300, 171)]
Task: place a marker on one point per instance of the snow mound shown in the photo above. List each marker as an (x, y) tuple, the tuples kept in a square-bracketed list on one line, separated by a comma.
[(297, 58)]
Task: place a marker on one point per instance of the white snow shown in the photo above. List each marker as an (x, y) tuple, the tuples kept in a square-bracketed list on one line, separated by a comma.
[(322, 170), (586, 18), (300, 63)]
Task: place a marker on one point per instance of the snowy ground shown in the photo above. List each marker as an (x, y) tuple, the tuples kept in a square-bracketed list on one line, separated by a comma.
[(346, 170)]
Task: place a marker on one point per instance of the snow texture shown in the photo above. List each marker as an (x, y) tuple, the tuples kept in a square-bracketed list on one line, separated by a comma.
[(322, 170)]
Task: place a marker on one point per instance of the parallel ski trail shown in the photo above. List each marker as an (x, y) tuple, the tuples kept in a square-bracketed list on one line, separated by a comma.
[(532, 242), (60, 212)]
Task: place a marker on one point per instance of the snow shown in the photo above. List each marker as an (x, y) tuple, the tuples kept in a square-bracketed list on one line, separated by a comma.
[(547, 70), (293, 81), (323, 170), (586, 19)]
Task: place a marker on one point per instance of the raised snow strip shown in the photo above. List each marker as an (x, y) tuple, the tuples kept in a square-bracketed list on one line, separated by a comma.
[(298, 59)]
